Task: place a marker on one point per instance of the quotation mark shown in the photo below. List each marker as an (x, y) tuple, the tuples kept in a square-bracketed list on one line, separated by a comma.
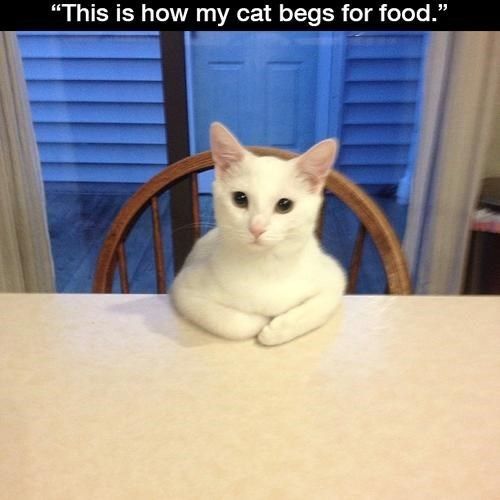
[(442, 7), (56, 7)]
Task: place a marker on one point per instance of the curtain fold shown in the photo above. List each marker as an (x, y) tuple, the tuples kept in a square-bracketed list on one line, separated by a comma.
[(25, 257), (452, 159)]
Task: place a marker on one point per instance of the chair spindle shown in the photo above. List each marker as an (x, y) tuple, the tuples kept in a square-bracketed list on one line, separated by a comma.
[(161, 282), (355, 266), (196, 205), (122, 268)]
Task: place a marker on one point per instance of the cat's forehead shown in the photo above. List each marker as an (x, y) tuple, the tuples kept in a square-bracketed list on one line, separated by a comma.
[(266, 173)]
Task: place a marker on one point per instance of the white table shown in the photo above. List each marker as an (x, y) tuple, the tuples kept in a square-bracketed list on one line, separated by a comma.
[(112, 397)]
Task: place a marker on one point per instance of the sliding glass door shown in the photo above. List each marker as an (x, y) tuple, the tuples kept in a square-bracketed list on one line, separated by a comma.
[(111, 109)]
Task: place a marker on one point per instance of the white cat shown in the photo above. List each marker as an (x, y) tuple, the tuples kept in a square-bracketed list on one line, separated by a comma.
[(261, 272)]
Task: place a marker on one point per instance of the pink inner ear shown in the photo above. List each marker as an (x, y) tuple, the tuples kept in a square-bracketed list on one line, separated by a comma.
[(226, 150), (222, 158), (315, 163)]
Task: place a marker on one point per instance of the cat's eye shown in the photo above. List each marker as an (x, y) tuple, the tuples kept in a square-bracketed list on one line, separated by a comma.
[(284, 205), (240, 199)]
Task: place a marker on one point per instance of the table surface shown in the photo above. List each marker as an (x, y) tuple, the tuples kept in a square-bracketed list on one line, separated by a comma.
[(108, 397)]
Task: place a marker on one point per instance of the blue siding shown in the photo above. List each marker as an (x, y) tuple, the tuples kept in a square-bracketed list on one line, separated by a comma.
[(100, 70), (373, 154), (384, 45), (95, 92), (386, 113), (101, 45), (83, 112), (378, 117), (97, 107), (385, 70), (375, 134), (385, 92), (115, 133), (126, 154), (97, 172)]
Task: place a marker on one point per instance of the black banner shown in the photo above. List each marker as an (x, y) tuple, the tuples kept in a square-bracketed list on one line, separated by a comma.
[(348, 15)]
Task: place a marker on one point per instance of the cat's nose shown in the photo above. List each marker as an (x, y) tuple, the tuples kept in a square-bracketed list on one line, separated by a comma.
[(256, 229)]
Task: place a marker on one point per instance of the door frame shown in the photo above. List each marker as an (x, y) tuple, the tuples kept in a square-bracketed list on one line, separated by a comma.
[(176, 112), (331, 67)]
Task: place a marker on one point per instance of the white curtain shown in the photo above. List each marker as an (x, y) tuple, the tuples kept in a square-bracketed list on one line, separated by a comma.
[(25, 257), (457, 127)]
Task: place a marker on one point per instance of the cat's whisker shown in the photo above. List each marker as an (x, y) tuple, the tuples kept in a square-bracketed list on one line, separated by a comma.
[(194, 225)]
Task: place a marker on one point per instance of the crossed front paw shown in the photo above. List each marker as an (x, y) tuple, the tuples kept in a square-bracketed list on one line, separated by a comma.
[(276, 332)]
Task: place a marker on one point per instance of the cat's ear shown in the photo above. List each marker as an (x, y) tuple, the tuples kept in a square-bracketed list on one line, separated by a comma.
[(226, 150), (316, 162)]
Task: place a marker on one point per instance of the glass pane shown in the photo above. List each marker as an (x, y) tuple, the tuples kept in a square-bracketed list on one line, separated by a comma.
[(97, 105), (293, 89)]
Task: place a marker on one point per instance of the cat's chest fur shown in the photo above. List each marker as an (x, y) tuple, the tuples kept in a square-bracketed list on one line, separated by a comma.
[(262, 283)]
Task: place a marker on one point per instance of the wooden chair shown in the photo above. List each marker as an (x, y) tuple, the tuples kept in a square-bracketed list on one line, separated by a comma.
[(372, 221)]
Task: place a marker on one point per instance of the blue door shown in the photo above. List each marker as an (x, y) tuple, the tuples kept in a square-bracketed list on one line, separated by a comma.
[(262, 85)]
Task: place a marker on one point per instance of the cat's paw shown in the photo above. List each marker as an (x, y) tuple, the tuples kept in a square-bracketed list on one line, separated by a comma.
[(275, 333), (241, 326)]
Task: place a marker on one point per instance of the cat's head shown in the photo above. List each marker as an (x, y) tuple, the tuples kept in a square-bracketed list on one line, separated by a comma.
[(262, 202)]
